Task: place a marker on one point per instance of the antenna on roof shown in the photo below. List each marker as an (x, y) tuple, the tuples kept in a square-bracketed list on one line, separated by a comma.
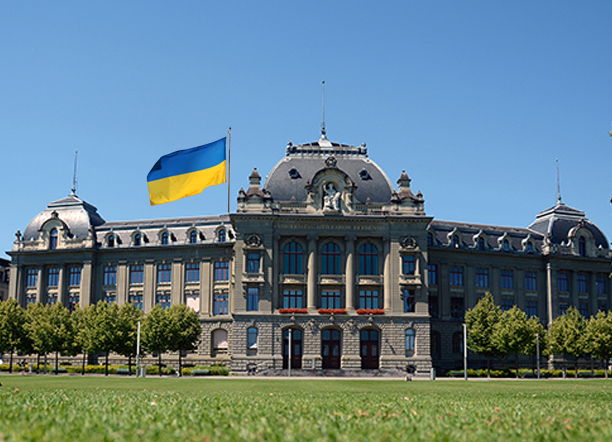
[(558, 182), (74, 176), (323, 132)]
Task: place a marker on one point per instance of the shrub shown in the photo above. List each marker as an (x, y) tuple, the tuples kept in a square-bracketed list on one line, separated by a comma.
[(5, 367)]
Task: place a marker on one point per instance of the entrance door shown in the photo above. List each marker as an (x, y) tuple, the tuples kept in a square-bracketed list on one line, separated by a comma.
[(296, 348), (330, 348), (369, 342)]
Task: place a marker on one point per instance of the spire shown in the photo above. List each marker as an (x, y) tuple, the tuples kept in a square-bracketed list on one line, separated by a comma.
[(323, 132), (74, 176), (558, 182)]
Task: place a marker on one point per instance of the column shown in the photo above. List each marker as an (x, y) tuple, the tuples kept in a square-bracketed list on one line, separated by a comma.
[(40, 285), (311, 289), (550, 293), (350, 273), (387, 304), (176, 286), (16, 284), (276, 267), (85, 296), (122, 282), (148, 293), (574, 289), (592, 288), (205, 287), (61, 285)]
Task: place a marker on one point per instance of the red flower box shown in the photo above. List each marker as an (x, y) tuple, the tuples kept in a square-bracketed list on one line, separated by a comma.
[(293, 310), (370, 311), (332, 311)]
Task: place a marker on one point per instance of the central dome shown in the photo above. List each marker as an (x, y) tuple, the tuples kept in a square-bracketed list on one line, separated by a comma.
[(288, 179)]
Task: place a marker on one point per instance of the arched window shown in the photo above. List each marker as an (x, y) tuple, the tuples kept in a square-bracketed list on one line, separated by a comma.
[(530, 247), (222, 235), (458, 342), (252, 338), (582, 246), (137, 239), (53, 239), (368, 260), (330, 259), (506, 245), (430, 239), (111, 241), (481, 243), (456, 242), (164, 238), (193, 237), (410, 340), (292, 259)]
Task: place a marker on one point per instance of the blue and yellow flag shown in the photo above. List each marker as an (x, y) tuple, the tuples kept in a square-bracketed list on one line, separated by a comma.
[(187, 172)]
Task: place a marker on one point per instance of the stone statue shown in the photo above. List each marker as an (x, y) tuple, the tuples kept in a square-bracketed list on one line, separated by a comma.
[(331, 200)]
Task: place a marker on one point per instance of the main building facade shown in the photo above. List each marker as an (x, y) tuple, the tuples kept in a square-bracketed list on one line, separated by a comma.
[(325, 266)]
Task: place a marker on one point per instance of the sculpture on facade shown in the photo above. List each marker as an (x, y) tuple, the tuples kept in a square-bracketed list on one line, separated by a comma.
[(331, 200)]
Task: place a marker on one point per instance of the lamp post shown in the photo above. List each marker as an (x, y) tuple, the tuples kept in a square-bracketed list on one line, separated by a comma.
[(538, 353), (465, 376), (289, 352)]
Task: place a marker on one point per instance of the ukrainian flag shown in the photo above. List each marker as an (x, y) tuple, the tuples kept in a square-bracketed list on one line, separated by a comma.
[(187, 172)]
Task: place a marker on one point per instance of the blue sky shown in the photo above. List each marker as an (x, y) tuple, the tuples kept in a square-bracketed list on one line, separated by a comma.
[(474, 99)]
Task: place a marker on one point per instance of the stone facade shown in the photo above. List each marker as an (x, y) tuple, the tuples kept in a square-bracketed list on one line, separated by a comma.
[(325, 266)]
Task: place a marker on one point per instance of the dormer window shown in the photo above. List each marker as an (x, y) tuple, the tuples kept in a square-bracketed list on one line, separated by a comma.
[(193, 237), (222, 236), (530, 247), (430, 239), (481, 243), (294, 174), (137, 239), (53, 239), (364, 175), (456, 242), (111, 241), (165, 238), (506, 245), (582, 246)]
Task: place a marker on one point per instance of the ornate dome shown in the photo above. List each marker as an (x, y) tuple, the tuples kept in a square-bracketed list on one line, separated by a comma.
[(75, 213), (288, 179)]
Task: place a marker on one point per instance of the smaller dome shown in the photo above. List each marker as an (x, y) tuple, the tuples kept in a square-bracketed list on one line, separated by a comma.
[(558, 222), (77, 214)]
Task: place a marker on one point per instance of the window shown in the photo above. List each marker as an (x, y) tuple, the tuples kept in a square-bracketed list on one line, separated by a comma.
[(409, 301), (408, 265), (583, 308), (110, 275), (73, 301), (136, 274), (292, 299), (457, 308), (430, 239), (368, 260), (163, 299), (562, 282), (193, 237), (482, 277), (506, 245), (30, 298), (330, 259), (507, 280), (32, 278), (433, 306), (481, 243), (192, 300), (582, 246), (164, 273), (530, 247), (507, 304), (292, 259), (138, 239), (600, 282), (111, 241), (432, 274), (165, 237), (458, 342), (436, 344), (221, 235), (136, 299), (110, 297), (410, 340), (53, 239), (253, 263), (251, 338), (582, 283), (531, 281), (602, 305), (330, 300), (456, 242), (252, 299), (456, 276), (221, 302), (221, 271), (563, 306), (368, 299), (192, 272), (52, 298), (531, 308), (74, 276), (53, 277), (219, 344)]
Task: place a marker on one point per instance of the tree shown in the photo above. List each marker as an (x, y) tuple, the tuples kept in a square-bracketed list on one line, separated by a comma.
[(537, 332), (127, 330), (58, 318), (39, 329), (106, 327), (184, 329), (512, 334), (155, 333), (567, 336), (480, 322), (13, 335), (599, 335)]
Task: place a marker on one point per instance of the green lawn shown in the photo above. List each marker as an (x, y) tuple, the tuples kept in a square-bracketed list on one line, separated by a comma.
[(68, 408)]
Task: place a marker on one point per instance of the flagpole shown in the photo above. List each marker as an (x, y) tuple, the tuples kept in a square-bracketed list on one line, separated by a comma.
[(229, 162)]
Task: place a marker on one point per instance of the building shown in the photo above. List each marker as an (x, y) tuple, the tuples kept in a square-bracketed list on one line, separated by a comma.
[(4, 278), (325, 266)]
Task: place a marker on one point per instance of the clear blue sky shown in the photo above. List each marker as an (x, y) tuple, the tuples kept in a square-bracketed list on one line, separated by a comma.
[(474, 99)]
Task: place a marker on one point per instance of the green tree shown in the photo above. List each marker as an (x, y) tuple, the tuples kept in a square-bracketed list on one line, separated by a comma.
[(81, 330), (480, 322), (599, 335), (567, 337), (39, 329), (58, 318), (184, 329), (537, 334), (106, 326), (13, 336), (127, 330), (512, 334), (155, 336)]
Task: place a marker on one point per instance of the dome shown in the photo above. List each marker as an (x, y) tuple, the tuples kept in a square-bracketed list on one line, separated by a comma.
[(288, 179), (560, 222), (78, 215)]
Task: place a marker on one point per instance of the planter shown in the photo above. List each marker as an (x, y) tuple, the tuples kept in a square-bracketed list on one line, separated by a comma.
[(370, 311), (332, 311), (293, 310)]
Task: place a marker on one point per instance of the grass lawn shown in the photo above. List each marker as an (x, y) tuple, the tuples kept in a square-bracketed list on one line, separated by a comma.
[(72, 408)]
